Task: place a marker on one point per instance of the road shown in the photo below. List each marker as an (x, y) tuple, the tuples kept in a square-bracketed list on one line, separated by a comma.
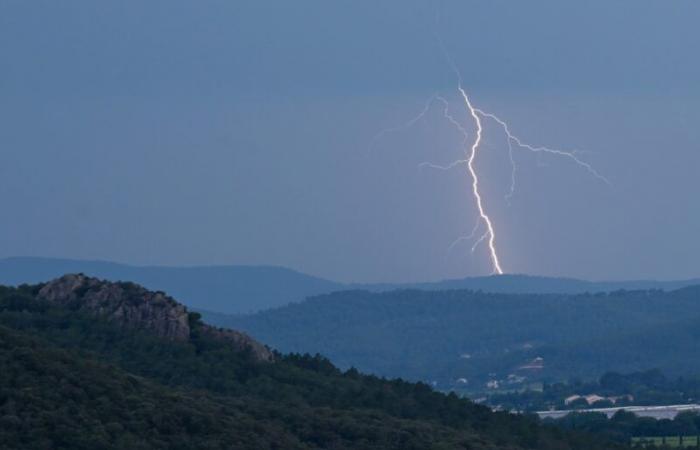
[(657, 412)]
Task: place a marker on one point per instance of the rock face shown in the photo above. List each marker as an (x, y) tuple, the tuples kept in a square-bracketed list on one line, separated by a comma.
[(127, 304), (133, 306)]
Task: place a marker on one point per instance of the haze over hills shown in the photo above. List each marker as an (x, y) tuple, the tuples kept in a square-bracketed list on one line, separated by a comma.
[(238, 289), (228, 289)]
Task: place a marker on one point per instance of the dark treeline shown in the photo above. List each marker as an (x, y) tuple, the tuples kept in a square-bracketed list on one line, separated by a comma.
[(624, 426)]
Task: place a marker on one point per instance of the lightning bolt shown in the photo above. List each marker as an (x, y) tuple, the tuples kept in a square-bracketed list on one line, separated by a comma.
[(471, 153), (490, 233), (540, 149)]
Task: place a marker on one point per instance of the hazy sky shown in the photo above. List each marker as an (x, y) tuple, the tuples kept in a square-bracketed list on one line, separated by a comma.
[(217, 132)]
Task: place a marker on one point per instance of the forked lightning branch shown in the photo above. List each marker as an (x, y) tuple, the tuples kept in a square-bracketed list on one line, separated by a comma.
[(484, 230)]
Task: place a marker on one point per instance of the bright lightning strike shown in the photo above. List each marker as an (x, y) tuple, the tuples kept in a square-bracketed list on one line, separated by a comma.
[(491, 234), (472, 152)]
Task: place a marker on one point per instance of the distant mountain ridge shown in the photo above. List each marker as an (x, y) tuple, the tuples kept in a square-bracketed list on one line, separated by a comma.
[(226, 289), (531, 284), (247, 289)]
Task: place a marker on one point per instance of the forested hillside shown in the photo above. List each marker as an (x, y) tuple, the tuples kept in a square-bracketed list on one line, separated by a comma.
[(464, 339), (73, 377)]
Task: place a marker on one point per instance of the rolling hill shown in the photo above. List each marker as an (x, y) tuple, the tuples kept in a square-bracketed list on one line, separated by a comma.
[(227, 289), (464, 339), (247, 289)]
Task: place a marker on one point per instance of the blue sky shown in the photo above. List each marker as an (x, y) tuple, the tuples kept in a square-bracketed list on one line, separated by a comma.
[(237, 132)]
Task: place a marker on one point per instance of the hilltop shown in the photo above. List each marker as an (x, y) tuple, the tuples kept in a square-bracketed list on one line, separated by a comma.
[(132, 306)]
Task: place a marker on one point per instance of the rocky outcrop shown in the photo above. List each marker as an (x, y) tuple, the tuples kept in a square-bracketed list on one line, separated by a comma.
[(125, 303), (133, 306), (239, 340)]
